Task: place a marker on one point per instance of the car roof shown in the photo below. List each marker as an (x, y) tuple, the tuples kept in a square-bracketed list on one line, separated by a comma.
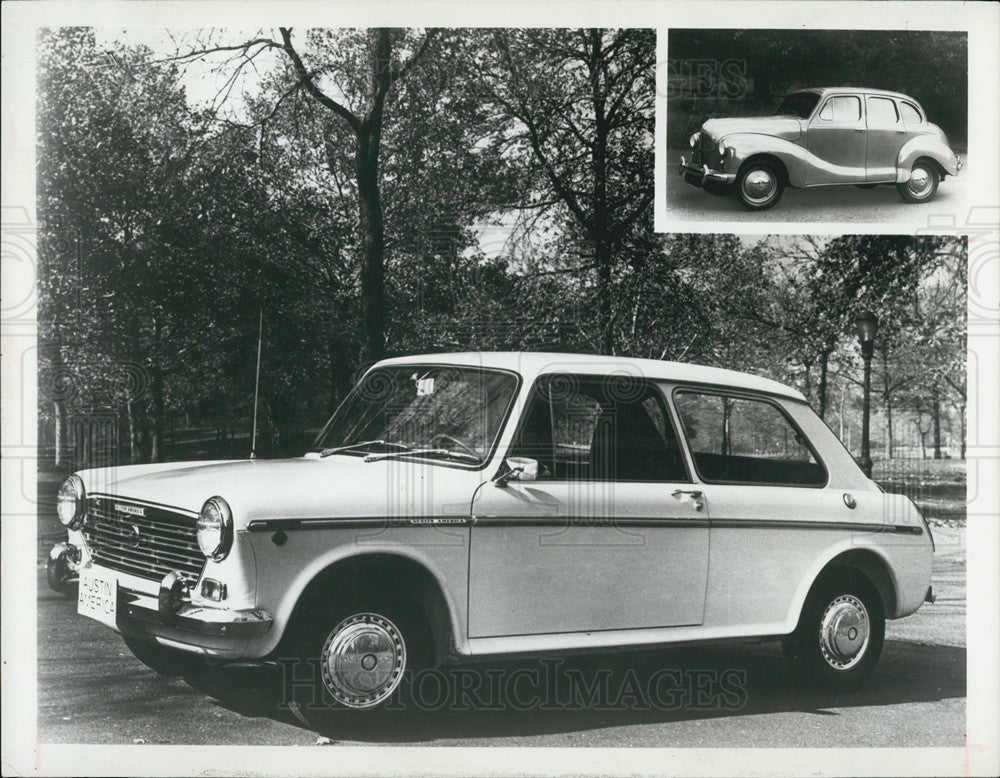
[(530, 364), (824, 90)]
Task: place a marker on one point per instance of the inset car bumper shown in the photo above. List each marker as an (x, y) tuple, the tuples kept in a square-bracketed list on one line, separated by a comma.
[(699, 176)]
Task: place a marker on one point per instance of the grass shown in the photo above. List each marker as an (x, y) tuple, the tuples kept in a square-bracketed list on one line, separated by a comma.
[(937, 486)]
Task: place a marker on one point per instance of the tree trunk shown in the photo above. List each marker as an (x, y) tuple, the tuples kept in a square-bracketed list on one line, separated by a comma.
[(599, 165), (888, 426), (824, 359), (372, 228), (936, 413), (156, 414), (961, 418)]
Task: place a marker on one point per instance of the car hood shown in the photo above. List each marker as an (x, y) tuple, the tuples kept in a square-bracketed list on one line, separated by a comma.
[(787, 127), (303, 487)]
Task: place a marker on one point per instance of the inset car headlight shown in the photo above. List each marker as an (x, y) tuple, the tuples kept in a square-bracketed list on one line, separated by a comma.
[(71, 504), (693, 140), (723, 148), (215, 529)]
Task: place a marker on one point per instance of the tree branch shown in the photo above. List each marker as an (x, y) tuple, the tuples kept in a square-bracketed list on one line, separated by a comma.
[(307, 80)]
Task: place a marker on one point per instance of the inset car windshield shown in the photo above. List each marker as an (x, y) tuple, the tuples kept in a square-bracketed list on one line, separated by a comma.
[(444, 412), (800, 104)]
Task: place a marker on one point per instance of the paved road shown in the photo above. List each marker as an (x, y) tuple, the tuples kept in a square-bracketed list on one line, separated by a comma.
[(843, 204), (91, 690)]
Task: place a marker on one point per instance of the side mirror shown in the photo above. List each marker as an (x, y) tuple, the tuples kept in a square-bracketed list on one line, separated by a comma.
[(517, 469)]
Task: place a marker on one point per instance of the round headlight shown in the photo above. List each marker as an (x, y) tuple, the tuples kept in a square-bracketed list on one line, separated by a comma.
[(693, 140), (215, 529), (723, 148), (71, 504)]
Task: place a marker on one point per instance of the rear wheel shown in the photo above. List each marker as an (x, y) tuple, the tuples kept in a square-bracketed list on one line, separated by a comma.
[(841, 631), (922, 185), (163, 660), (759, 185)]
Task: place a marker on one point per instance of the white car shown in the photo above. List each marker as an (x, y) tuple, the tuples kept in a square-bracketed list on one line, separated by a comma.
[(462, 505)]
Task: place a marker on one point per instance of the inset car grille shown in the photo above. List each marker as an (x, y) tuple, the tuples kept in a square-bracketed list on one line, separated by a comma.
[(142, 540)]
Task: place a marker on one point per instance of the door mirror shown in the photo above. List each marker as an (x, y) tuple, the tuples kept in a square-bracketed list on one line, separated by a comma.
[(517, 469)]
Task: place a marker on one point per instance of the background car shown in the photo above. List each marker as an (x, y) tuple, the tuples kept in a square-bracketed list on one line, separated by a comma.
[(822, 137)]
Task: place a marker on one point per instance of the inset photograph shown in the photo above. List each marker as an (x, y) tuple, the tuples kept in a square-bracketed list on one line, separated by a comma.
[(852, 126)]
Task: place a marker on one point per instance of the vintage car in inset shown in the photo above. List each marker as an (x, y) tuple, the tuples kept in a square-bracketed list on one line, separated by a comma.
[(485, 504), (822, 137)]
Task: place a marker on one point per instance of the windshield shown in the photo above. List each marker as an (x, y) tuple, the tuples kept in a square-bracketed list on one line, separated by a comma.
[(799, 104), (439, 412)]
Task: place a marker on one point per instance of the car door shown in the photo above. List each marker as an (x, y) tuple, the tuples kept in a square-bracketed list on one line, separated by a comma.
[(611, 535), (771, 515), (837, 139), (886, 136)]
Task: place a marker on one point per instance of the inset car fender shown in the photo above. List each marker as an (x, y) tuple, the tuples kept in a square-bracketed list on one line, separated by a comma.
[(929, 146)]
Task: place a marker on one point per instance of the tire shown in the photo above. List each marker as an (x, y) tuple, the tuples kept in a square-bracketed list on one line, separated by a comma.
[(164, 661), (840, 634), (923, 183), (361, 657), (759, 185)]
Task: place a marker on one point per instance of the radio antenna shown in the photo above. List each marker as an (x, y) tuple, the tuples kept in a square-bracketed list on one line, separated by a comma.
[(256, 387)]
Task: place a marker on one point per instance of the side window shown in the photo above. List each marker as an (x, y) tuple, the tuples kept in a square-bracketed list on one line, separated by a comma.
[(586, 429), (881, 112), (910, 113), (842, 108), (739, 440)]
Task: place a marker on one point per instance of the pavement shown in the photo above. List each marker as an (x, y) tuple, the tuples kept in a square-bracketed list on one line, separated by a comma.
[(91, 690), (837, 204)]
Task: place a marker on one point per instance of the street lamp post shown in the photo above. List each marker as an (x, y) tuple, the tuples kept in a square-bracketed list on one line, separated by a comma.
[(866, 325)]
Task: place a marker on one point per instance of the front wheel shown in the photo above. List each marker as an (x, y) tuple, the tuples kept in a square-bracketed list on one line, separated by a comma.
[(840, 634), (759, 185), (922, 185)]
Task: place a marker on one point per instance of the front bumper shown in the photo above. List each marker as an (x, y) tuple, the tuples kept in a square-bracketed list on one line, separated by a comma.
[(699, 176), (172, 618)]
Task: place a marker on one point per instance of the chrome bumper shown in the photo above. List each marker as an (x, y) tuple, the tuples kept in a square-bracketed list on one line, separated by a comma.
[(172, 618), (700, 175)]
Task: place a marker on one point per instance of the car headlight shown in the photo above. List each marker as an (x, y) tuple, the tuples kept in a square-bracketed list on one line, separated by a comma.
[(215, 529), (71, 503), (693, 140), (723, 148)]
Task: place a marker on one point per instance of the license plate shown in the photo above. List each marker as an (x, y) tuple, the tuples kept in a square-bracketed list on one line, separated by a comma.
[(98, 595)]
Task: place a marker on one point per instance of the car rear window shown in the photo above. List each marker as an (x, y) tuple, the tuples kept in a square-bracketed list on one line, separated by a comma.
[(881, 111), (747, 441), (911, 115)]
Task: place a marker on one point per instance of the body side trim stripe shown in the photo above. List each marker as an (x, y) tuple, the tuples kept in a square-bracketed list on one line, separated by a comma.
[(368, 522)]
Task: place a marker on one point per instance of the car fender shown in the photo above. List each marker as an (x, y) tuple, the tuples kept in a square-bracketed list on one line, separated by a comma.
[(799, 163), (925, 146)]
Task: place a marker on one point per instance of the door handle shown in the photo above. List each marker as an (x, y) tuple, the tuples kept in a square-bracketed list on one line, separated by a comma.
[(858, 129), (695, 495)]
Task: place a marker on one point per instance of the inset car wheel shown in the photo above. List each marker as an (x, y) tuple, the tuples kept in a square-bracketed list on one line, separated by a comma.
[(922, 185), (759, 186), (840, 633)]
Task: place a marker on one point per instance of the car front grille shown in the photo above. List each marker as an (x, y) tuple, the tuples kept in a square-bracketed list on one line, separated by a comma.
[(705, 150), (142, 540)]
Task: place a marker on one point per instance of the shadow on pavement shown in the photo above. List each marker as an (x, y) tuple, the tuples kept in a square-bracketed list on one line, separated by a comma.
[(575, 694)]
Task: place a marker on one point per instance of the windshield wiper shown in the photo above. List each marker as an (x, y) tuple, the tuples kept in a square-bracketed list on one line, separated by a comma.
[(388, 443), (416, 451)]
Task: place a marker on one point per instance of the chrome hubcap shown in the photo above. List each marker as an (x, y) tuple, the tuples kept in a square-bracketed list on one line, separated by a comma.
[(759, 185), (363, 660), (843, 632), (920, 181)]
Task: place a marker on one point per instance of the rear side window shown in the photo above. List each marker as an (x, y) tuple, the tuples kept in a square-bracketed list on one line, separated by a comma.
[(843, 108), (881, 111), (911, 115), (747, 441)]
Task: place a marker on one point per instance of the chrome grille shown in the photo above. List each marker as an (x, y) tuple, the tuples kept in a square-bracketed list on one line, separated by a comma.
[(149, 546), (705, 150)]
